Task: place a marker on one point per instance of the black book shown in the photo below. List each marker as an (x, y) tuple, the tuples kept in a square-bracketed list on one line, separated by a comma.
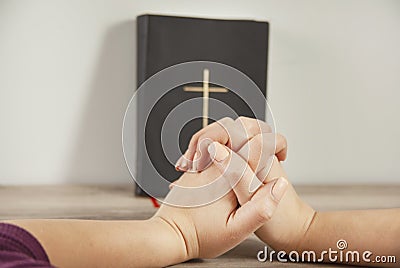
[(163, 41)]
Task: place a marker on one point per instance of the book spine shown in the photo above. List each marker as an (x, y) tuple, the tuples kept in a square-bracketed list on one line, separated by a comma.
[(142, 45)]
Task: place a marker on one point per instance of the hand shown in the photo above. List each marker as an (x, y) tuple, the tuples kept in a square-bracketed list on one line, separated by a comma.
[(292, 217), (229, 132), (211, 230), (250, 139)]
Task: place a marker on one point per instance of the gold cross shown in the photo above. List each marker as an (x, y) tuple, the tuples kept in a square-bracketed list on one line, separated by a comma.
[(206, 90)]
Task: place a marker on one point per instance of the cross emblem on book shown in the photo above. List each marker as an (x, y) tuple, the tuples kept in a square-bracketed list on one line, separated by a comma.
[(206, 91)]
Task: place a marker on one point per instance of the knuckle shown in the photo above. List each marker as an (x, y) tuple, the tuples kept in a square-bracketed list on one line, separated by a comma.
[(240, 118), (263, 213), (253, 125), (225, 120), (266, 127), (254, 128), (283, 140)]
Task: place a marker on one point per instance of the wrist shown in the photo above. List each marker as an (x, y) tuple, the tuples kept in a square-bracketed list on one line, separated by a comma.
[(170, 244), (305, 223), (288, 227), (312, 224)]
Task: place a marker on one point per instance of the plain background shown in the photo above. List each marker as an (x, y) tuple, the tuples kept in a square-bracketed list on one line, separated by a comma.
[(67, 72)]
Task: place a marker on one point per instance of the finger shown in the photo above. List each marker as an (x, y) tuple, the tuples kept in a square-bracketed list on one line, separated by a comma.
[(264, 141), (229, 133), (276, 170), (214, 132), (245, 129), (258, 153), (260, 209), (235, 169), (253, 126), (281, 147), (201, 159), (234, 134)]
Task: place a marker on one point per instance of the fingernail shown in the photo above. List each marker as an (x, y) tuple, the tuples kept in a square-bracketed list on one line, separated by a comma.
[(279, 188), (211, 150), (184, 163), (218, 151), (179, 162)]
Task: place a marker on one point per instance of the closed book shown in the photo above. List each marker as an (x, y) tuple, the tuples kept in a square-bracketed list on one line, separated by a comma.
[(164, 41)]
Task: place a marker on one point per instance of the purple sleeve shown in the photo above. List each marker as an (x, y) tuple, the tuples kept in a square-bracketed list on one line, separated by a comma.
[(18, 248)]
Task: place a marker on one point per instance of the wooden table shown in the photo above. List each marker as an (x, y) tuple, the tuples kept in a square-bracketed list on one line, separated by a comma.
[(118, 203)]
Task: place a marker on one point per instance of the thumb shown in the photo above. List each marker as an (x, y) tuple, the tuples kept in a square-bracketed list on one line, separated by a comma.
[(260, 209)]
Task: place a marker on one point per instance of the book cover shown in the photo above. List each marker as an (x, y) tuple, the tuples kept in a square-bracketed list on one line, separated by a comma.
[(163, 41)]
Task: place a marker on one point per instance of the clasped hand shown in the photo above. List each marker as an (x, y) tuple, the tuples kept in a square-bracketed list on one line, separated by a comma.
[(271, 209)]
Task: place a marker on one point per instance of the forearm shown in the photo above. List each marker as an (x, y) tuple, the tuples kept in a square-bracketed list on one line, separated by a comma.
[(84, 243), (377, 231)]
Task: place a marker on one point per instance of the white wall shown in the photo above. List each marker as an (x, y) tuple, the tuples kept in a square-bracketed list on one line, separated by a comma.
[(67, 71)]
